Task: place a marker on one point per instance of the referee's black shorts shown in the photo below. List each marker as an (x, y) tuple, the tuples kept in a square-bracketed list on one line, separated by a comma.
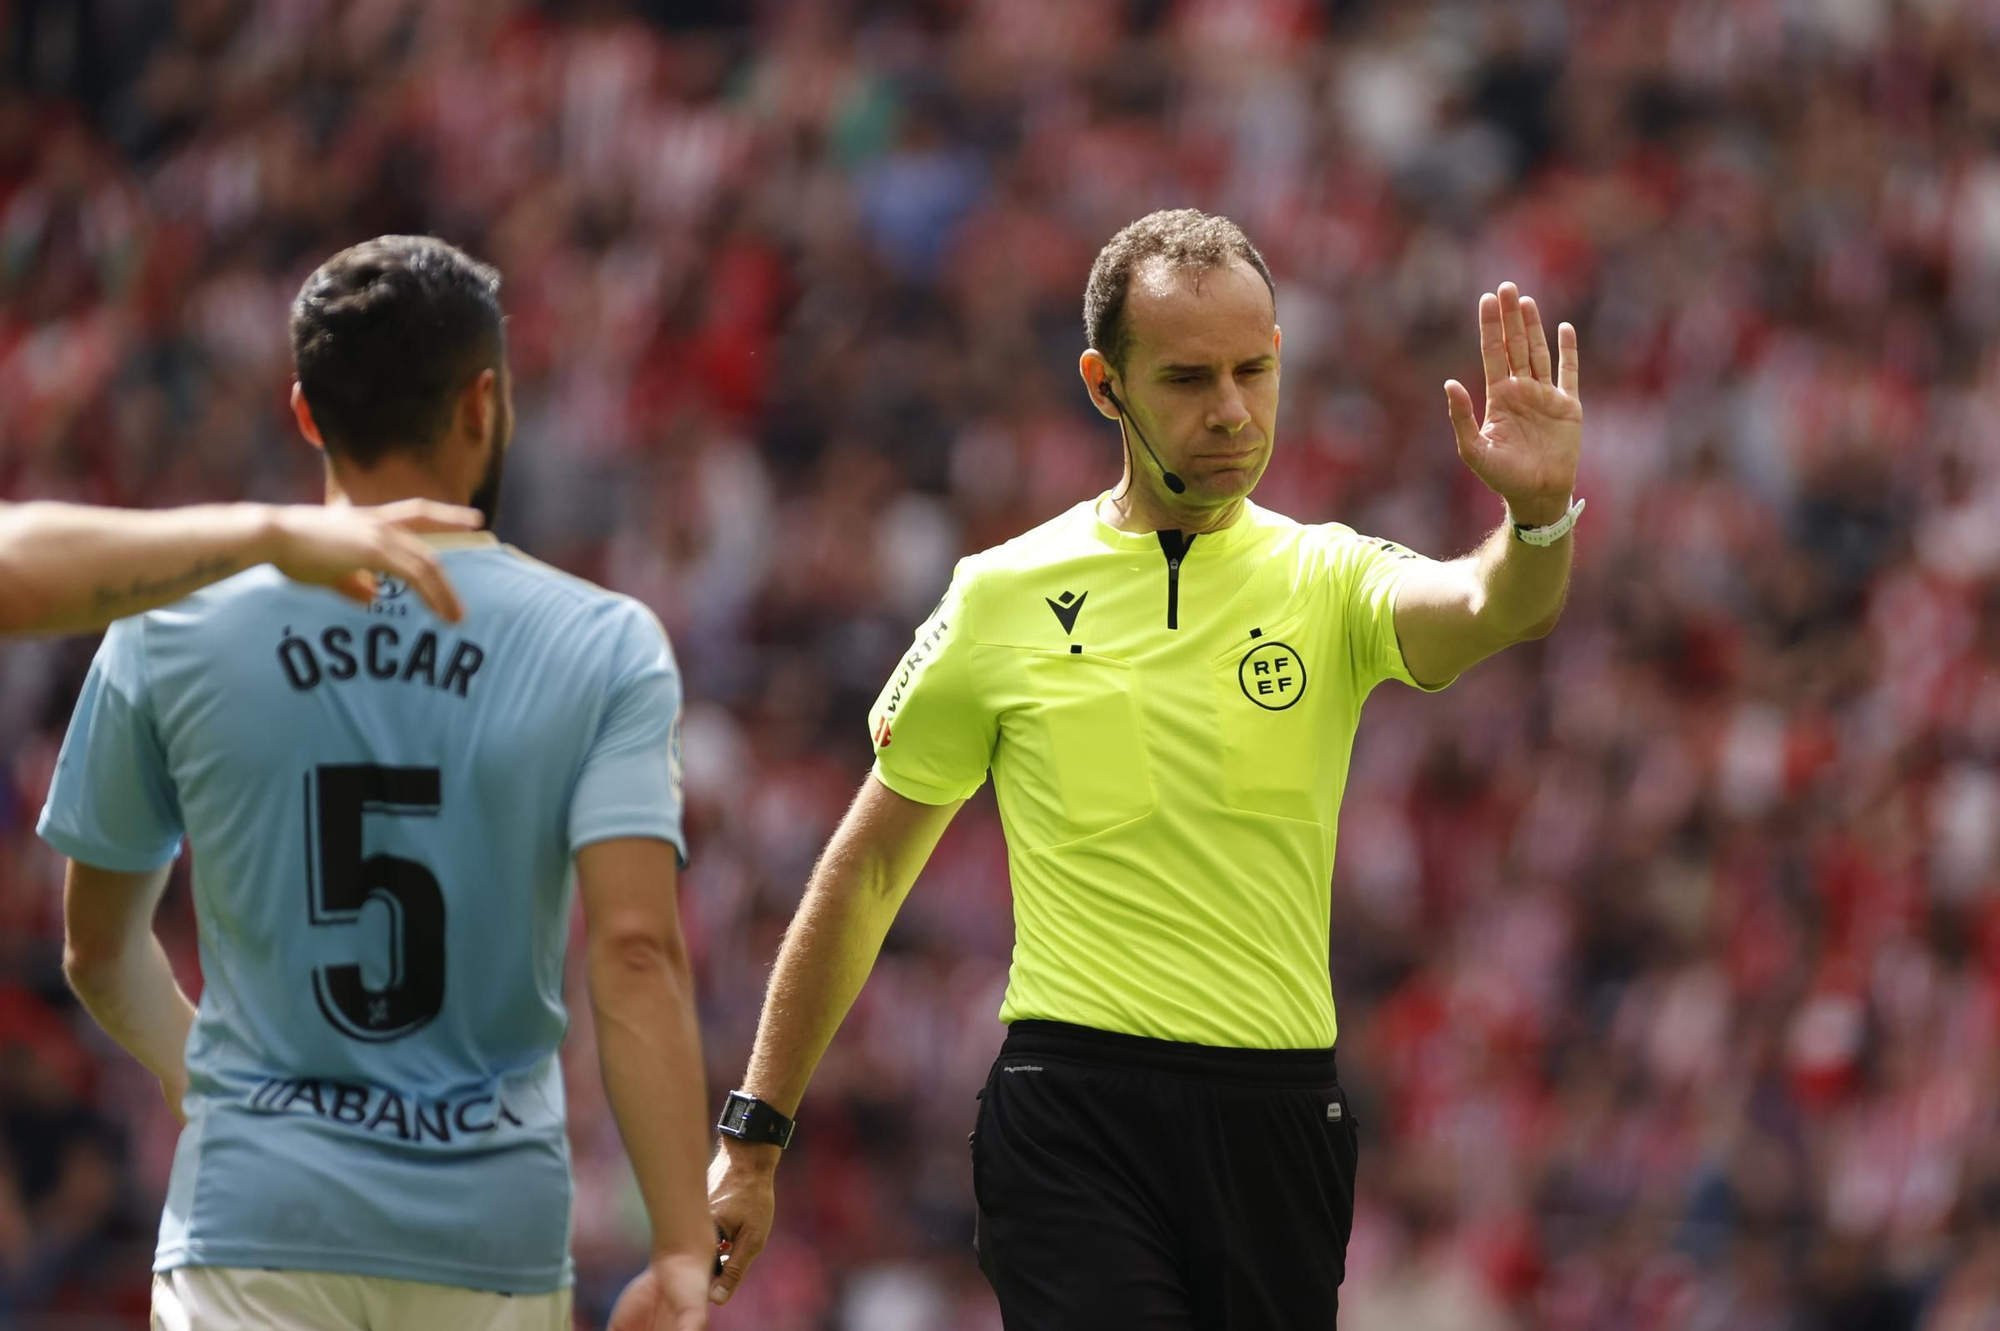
[(1127, 1184)]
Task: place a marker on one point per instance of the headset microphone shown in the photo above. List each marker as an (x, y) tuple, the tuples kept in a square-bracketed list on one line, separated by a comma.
[(1174, 483)]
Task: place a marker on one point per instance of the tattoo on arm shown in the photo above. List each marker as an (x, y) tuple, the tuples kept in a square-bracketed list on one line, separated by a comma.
[(144, 589)]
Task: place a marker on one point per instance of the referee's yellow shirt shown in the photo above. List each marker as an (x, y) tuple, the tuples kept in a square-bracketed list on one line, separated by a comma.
[(1168, 727)]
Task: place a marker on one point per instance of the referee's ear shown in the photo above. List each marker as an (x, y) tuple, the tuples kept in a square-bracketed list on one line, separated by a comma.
[(1096, 372)]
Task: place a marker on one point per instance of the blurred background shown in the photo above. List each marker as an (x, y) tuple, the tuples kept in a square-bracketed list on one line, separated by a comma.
[(1667, 950)]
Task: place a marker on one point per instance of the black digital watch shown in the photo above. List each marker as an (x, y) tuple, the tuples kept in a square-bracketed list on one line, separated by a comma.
[(748, 1119)]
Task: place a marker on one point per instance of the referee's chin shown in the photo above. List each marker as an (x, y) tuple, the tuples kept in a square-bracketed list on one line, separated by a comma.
[(1225, 484)]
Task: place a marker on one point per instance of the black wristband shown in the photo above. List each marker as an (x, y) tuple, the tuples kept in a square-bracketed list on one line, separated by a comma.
[(748, 1119)]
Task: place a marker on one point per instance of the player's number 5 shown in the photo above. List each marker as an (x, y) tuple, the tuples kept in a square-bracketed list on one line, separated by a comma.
[(340, 881)]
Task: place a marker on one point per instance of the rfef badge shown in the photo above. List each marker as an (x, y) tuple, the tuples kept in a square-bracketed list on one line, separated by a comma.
[(1272, 676)]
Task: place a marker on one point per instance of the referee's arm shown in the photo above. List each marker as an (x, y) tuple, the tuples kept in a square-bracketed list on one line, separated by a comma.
[(1452, 615), (856, 889)]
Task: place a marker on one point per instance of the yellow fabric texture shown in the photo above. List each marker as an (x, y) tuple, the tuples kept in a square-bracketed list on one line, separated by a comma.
[(1169, 795)]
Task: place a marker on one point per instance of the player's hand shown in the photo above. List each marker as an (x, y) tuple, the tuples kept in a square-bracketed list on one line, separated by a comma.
[(345, 548), (742, 1197), (671, 1294), (1526, 450)]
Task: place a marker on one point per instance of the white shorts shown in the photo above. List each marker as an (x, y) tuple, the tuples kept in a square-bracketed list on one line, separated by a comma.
[(229, 1298)]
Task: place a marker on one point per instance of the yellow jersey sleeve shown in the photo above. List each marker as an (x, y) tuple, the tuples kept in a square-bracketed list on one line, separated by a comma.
[(1368, 571), (933, 733)]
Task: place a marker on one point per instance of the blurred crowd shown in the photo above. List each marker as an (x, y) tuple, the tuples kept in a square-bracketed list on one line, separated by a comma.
[(1667, 950)]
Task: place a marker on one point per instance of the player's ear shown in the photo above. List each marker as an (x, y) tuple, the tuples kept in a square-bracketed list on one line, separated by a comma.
[(490, 409), (302, 412), (1096, 372), (479, 407)]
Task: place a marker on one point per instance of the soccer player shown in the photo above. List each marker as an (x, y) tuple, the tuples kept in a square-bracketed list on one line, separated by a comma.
[(385, 812), (68, 567), (1164, 682)]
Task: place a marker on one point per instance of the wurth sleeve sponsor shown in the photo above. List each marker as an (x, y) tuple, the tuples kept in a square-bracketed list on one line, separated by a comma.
[(933, 736)]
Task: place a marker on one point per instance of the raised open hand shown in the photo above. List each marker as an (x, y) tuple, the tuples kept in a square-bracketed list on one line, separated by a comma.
[(1526, 449)]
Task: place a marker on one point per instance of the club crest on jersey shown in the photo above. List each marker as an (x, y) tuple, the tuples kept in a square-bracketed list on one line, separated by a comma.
[(1272, 675), (391, 597)]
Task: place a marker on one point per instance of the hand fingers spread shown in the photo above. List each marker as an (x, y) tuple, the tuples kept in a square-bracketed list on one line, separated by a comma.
[(1538, 342), (1492, 339), (417, 564), (1458, 402), (1569, 379), (420, 515), (1517, 328)]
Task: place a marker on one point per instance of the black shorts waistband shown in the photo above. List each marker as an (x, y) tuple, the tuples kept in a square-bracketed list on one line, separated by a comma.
[(1277, 1068)]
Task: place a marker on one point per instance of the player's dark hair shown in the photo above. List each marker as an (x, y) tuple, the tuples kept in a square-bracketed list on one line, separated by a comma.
[(1183, 238), (384, 337)]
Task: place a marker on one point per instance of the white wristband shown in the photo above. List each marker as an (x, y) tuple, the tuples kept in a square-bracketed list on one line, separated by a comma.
[(1549, 535)]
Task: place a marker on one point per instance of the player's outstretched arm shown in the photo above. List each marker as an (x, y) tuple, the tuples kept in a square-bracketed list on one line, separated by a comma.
[(642, 994), (70, 567), (856, 889), (1450, 615), (116, 966)]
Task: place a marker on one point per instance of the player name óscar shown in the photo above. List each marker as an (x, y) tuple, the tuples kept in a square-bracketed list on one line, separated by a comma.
[(373, 1109), (379, 652)]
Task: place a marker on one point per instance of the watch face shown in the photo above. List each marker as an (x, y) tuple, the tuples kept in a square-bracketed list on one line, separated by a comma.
[(749, 1119)]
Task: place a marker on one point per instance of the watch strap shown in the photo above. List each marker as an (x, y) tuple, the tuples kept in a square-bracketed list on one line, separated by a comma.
[(748, 1119), (1553, 532)]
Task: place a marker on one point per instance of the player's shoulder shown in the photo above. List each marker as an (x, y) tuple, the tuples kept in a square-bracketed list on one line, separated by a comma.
[(218, 619), (252, 596), (612, 612), (560, 585)]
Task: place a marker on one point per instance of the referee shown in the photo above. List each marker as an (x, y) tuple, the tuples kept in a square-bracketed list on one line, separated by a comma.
[(1164, 682)]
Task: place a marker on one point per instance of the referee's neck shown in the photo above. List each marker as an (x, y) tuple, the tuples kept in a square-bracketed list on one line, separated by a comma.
[(1136, 511)]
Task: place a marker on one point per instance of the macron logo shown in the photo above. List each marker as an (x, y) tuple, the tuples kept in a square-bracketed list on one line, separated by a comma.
[(1067, 610)]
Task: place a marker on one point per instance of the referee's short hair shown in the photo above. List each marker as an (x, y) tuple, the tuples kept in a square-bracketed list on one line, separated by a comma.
[(1184, 238), (385, 334)]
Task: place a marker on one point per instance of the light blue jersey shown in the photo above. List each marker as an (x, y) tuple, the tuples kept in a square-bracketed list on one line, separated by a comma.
[(383, 811)]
